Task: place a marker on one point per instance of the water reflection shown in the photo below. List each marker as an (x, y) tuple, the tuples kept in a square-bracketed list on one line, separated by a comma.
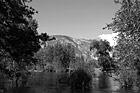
[(49, 83)]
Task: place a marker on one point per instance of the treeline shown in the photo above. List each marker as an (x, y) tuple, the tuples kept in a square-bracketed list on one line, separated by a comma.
[(59, 56)]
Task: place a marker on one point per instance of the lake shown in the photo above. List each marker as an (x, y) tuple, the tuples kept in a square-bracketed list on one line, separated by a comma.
[(47, 82)]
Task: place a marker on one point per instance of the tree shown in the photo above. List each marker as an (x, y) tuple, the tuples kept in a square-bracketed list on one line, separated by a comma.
[(64, 54), (44, 37), (103, 50), (127, 24), (19, 39), (59, 55), (44, 56), (68, 55)]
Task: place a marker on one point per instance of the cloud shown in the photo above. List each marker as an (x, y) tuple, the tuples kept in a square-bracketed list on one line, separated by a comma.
[(110, 38)]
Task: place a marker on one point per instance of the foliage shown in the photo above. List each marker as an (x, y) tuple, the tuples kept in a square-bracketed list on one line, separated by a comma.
[(19, 39), (103, 50), (67, 56), (86, 66), (18, 29), (79, 63), (80, 79), (60, 55), (44, 37), (44, 56), (127, 24), (64, 53)]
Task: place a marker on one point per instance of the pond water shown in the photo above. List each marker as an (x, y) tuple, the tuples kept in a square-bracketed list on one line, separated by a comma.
[(46, 82)]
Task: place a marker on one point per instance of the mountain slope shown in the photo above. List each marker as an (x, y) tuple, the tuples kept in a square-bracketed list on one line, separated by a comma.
[(82, 46)]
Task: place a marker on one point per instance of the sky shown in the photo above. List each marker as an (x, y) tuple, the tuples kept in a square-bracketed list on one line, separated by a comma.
[(76, 18)]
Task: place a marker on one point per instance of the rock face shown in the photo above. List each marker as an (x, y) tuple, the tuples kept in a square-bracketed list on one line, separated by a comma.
[(82, 46)]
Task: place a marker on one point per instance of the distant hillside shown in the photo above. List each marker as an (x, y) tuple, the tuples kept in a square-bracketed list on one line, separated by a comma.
[(82, 46)]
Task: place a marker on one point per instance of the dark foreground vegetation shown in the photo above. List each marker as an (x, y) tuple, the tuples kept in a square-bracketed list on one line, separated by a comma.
[(21, 52), (81, 80)]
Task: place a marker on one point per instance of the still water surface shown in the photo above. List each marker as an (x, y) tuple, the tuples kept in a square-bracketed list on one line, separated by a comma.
[(47, 83)]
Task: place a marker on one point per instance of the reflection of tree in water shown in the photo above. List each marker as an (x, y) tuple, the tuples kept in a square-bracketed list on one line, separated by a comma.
[(103, 81), (80, 80)]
